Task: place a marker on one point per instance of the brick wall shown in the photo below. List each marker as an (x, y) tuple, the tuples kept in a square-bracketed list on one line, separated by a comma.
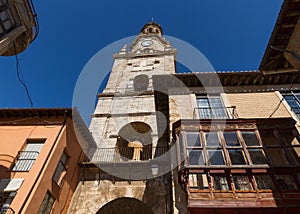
[(257, 105)]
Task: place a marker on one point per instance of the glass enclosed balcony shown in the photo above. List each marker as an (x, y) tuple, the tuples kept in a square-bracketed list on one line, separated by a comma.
[(238, 163)]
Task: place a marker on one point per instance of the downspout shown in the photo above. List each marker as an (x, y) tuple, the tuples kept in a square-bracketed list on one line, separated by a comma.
[(44, 165)]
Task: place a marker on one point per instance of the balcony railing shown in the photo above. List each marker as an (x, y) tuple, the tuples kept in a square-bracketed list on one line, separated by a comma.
[(126, 154), (35, 28), (215, 113), (251, 188), (6, 210)]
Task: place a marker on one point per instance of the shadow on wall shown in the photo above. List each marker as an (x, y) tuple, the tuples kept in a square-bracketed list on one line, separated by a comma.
[(157, 195), (125, 206), (4, 170), (135, 132)]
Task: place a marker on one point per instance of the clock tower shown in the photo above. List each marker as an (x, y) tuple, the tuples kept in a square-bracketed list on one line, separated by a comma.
[(129, 96), (126, 128), (150, 54)]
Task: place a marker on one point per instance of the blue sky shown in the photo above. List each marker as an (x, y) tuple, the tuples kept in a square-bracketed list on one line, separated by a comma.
[(232, 34)]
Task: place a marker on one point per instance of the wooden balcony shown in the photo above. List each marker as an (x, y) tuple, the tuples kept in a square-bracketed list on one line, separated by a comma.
[(205, 194)]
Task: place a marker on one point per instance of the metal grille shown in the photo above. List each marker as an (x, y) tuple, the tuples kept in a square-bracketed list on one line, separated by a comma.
[(6, 211), (25, 160), (124, 154), (215, 113)]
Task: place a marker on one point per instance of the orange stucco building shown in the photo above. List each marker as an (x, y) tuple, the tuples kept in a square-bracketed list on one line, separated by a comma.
[(39, 159)]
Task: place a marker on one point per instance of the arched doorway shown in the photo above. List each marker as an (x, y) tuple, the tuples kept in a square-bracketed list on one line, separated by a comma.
[(135, 133), (125, 206)]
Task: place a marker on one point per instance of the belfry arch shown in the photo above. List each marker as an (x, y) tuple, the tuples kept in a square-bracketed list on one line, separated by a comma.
[(135, 141)]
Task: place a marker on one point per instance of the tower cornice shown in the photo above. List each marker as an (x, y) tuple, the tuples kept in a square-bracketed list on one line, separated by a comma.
[(137, 55), (149, 36)]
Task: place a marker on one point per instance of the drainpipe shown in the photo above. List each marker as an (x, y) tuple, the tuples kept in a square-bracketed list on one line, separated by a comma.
[(44, 165)]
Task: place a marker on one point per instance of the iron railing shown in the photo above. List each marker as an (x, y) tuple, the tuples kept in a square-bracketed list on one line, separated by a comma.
[(215, 113), (6, 210), (25, 160), (35, 28), (125, 154)]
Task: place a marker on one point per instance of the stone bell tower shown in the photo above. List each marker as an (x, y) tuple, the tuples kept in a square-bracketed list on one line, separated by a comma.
[(129, 97), (125, 128)]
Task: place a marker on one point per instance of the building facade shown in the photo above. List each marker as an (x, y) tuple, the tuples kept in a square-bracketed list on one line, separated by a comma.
[(39, 156), (232, 136), (18, 26), (166, 142)]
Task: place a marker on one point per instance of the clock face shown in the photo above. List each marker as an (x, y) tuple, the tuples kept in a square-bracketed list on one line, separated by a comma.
[(147, 43)]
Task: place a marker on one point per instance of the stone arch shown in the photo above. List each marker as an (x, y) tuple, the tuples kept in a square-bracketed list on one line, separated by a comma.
[(135, 132), (125, 206)]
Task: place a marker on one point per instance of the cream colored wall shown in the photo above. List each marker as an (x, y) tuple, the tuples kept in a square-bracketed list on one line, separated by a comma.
[(258, 105)]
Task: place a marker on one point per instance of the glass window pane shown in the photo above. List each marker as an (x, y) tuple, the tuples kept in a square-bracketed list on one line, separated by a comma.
[(216, 157), (264, 182), (60, 169), (293, 103), (202, 102), (250, 138), (28, 155), (64, 158), (193, 139), (196, 157), (182, 150), (212, 139), (291, 100), (217, 108), (286, 182), (241, 182), (236, 156), (49, 206), (231, 139), (44, 204), (4, 16), (269, 139), (220, 183), (7, 25), (215, 102), (198, 181), (295, 154), (288, 138), (257, 156), (277, 156)]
